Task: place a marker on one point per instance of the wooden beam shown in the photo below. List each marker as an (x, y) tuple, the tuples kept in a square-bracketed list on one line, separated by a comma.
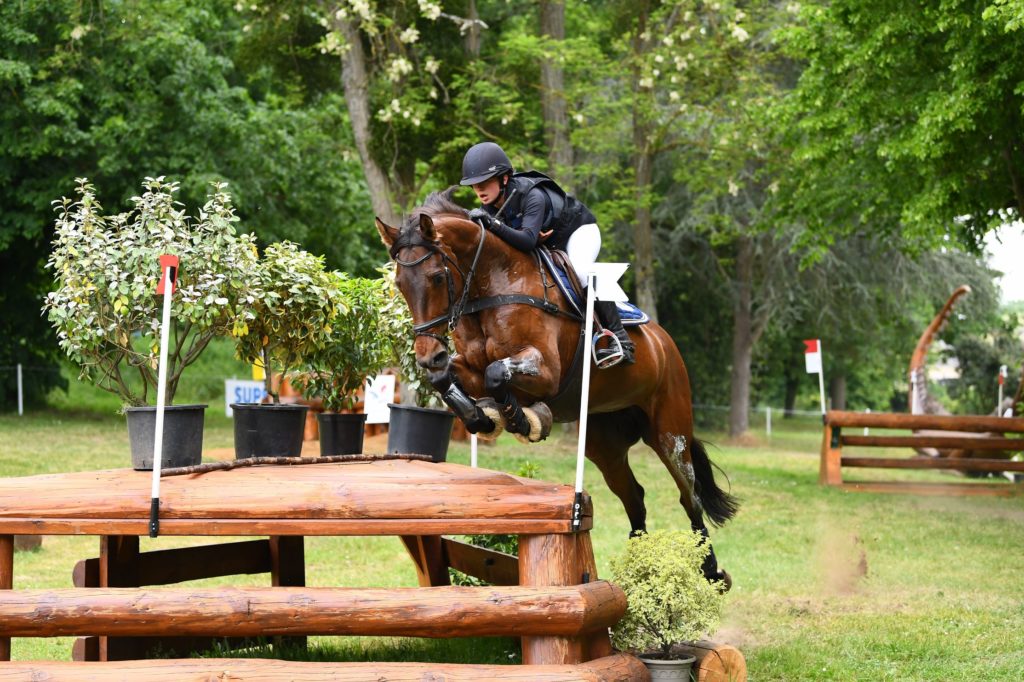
[(829, 471), (934, 441), (267, 611), (6, 583), (885, 420), (491, 566), (427, 553), (170, 566), (551, 560), (949, 463), (942, 489), (617, 668)]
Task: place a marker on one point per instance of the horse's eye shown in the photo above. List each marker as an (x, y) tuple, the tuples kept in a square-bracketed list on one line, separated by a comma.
[(437, 279)]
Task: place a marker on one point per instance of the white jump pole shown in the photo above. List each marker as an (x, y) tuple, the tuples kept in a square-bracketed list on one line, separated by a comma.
[(21, 393), (768, 421), (169, 271), (581, 443), (472, 450)]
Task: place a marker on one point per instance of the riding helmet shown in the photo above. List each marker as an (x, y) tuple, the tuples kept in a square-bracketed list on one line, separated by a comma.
[(483, 161)]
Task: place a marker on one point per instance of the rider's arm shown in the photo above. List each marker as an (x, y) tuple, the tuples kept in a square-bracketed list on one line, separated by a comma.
[(526, 237)]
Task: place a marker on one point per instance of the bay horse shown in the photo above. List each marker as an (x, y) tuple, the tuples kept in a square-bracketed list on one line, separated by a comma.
[(515, 345)]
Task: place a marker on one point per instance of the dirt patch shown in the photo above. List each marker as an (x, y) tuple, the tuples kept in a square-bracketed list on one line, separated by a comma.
[(842, 562)]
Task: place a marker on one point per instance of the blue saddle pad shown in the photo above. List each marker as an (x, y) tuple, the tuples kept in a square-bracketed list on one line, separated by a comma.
[(630, 314)]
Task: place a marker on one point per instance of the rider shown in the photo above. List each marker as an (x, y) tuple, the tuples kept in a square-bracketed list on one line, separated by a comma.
[(527, 209)]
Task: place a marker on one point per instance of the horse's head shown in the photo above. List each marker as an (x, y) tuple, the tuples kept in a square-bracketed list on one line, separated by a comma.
[(427, 250)]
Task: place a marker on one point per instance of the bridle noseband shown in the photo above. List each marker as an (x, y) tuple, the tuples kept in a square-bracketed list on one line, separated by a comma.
[(456, 308)]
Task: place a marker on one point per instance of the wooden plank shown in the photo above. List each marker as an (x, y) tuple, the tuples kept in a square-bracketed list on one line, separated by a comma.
[(328, 491), (934, 441), (949, 463), (170, 566), (6, 583), (118, 567), (491, 566), (437, 612), (550, 560), (309, 527), (288, 569), (944, 489), (829, 471), (715, 662), (617, 668), (885, 420)]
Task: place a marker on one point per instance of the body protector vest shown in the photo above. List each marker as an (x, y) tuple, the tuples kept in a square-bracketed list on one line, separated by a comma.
[(565, 213)]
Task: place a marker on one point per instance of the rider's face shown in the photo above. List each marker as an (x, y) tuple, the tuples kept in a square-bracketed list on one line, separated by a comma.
[(487, 191)]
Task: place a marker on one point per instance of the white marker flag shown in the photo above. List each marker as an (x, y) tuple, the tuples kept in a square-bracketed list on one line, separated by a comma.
[(812, 356)]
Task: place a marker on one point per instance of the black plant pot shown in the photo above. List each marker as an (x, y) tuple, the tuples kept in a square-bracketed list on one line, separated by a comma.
[(268, 430), (419, 430), (182, 441), (340, 434)]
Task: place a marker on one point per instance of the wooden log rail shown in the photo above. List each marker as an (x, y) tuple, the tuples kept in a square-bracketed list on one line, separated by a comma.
[(614, 668), (437, 612), (958, 438)]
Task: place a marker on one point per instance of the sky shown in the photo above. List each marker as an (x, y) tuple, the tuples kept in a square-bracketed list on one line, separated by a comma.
[(1008, 257)]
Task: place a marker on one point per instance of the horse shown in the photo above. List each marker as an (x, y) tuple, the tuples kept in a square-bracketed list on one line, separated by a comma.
[(516, 344)]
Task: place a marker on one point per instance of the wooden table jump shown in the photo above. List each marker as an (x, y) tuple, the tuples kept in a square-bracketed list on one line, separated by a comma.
[(417, 501)]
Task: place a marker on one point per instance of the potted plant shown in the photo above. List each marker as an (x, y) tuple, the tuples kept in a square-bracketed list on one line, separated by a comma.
[(356, 346), (422, 428), (669, 599), (107, 314), (290, 303)]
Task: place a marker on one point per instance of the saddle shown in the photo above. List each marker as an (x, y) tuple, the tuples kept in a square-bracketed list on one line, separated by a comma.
[(564, 274)]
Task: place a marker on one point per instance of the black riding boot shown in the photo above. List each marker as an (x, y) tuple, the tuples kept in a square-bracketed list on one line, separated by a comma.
[(608, 314)]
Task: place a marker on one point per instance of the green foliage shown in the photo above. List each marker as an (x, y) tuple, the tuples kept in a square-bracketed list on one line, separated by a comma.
[(981, 348), (289, 306), (357, 344), (106, 268), (670, 601)]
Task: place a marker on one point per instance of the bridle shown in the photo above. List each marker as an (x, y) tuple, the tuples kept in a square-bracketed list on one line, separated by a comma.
[(456, 307)]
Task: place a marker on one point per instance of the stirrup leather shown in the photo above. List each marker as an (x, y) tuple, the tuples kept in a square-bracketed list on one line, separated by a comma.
[(610, 354)]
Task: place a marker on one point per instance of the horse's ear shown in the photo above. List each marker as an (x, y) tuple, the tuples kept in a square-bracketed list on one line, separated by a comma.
[(427, 228), (388, 234)]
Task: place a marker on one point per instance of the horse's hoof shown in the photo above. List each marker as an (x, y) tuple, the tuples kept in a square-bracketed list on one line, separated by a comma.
[(725, 581), (538, 416), (490, 409)]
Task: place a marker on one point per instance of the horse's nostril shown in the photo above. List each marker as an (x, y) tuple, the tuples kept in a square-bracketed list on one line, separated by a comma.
[(439, 360)]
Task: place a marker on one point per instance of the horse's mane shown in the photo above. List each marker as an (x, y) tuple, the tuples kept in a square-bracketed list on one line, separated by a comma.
[(437, 204)]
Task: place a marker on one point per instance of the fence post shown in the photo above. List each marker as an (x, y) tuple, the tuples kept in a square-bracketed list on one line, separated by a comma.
[(21, 402), (768, 421)]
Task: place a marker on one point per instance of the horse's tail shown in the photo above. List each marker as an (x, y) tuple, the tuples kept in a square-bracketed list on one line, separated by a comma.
[(719, 506)]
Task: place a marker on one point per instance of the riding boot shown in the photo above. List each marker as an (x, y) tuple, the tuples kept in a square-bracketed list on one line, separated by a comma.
[(608, 314)]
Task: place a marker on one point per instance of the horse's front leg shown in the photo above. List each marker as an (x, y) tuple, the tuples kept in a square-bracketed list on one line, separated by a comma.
[(524, 369), (448, 385)]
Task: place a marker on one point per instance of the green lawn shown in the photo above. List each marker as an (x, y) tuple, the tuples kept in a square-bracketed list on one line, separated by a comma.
[(828, 585)]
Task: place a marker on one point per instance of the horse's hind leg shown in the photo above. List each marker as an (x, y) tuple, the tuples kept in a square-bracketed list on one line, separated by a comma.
[(670, 434), (609, 437)]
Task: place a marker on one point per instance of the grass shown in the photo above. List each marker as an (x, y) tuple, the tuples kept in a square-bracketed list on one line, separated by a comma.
[(828, 585)]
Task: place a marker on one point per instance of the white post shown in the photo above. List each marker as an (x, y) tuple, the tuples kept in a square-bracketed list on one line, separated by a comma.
[(821, 378), (588, 324), (161, 383), (768, 421), (472, 450), (867, 410), (20, 393)]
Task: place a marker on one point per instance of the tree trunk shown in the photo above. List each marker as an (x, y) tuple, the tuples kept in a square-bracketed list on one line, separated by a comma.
[(355, 79), (837, 391), (552, 95), (792, 387), (473, 34), (643, 240), (742, 339)]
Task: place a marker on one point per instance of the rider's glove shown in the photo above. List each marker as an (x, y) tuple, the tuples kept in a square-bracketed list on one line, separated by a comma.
[(481, 216)]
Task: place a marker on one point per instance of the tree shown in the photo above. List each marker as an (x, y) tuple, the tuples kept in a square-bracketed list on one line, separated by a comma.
[(907, 119)]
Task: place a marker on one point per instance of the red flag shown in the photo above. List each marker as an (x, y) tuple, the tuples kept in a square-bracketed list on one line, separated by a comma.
[(167, 261), (812, 346)]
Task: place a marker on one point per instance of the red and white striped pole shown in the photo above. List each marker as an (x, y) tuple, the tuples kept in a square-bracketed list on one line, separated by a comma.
[(168, 278)]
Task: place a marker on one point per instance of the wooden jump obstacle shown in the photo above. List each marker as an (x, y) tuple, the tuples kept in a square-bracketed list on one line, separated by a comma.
[(944, 432), (549, 596)]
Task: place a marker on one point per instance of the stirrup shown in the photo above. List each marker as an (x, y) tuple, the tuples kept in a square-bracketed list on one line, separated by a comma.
[(610, 355)]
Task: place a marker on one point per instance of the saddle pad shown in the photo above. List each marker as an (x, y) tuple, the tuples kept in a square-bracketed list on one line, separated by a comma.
[(630, 314)]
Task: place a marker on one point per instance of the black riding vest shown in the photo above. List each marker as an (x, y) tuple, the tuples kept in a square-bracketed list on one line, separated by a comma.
[(565, 213)]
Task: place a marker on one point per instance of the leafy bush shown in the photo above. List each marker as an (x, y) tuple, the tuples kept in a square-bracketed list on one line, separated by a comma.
[(670, 601), (106, 268), (398, 324)]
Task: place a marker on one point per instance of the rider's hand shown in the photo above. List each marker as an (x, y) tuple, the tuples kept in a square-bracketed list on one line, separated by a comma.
[(544, 235), (481, 216)]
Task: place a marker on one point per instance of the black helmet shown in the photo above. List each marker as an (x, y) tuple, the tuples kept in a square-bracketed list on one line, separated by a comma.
[(483, 161)]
